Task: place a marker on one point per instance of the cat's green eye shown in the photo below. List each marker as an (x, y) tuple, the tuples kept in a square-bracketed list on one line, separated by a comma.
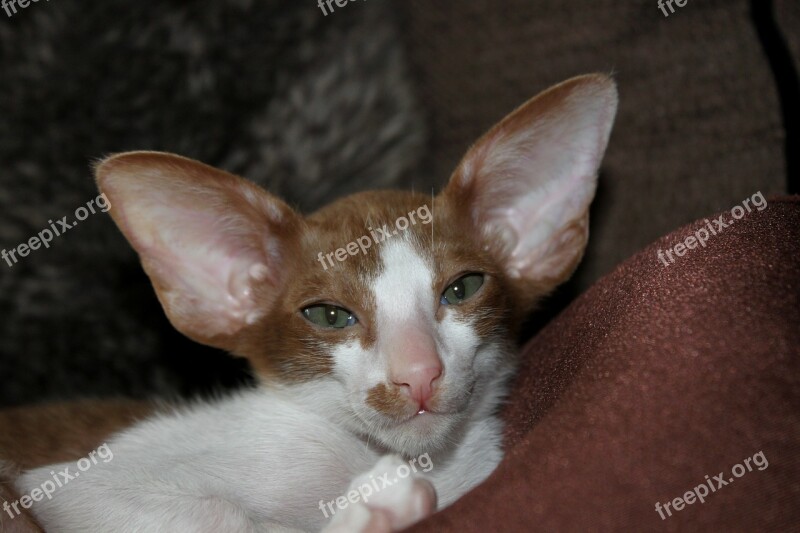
[(329, 316), (462, 289)]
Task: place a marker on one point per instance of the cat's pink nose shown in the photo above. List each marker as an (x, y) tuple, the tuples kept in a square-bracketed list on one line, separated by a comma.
[(417, 379), (414, 363)]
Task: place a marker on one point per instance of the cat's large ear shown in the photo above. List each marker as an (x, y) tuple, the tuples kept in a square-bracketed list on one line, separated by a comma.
[(528, 182), (207, 239)]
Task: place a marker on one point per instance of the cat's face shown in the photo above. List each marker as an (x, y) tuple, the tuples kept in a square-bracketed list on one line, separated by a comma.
[(413, 326), (410, 322)]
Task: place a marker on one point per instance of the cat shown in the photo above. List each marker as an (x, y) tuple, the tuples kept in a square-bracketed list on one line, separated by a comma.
[(381, 369)]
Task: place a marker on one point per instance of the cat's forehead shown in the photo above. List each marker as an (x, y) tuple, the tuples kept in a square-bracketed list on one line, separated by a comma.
[(401, 290), (353, 241), (366, 203), (347, 236), (350, 217)]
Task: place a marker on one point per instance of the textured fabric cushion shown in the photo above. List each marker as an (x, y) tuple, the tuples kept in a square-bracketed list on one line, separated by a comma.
[(653, 379)]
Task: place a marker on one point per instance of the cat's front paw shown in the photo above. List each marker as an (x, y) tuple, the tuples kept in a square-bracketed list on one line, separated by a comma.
[(390, 497)]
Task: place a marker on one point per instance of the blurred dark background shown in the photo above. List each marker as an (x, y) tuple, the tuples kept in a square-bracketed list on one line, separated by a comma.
[(381, 93)]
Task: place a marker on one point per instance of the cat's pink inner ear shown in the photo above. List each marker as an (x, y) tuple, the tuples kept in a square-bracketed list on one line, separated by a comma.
[(529, 181), (207, 239)]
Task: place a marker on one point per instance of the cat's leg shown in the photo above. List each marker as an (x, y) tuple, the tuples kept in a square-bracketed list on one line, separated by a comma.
[(383, 500)]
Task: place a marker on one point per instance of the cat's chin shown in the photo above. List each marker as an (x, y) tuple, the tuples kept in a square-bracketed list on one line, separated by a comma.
[(422, 433)]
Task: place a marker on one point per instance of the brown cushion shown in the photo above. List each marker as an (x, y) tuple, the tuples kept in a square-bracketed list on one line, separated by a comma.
[(653, 379)]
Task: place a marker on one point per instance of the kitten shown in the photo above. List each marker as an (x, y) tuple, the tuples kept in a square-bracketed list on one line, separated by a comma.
[(380, 327)]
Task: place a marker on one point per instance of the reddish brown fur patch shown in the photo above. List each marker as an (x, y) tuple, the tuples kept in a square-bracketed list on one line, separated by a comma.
[(390, 401), (44, 434)]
